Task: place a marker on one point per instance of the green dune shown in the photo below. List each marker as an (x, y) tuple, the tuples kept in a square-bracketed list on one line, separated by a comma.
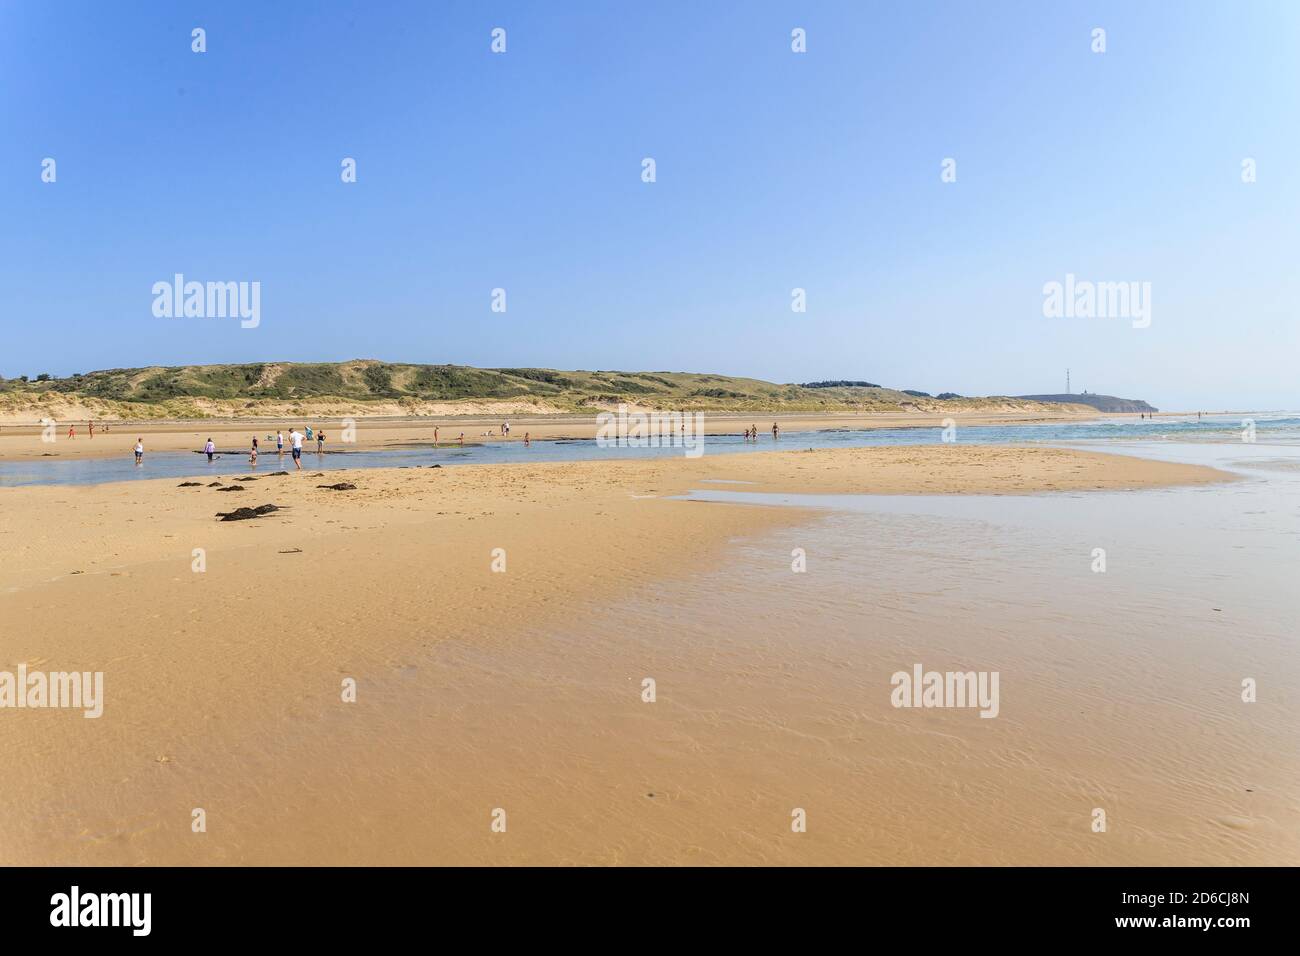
[(371, 386)]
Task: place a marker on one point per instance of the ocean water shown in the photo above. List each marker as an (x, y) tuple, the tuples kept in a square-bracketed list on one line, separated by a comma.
[(1269, 429)]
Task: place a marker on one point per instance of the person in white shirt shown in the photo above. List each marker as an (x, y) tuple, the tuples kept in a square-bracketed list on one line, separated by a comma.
[(210, 449), (139, 450), (295, 445)]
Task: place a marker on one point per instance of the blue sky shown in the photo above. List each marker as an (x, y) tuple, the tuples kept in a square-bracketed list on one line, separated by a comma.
[(775, 170)]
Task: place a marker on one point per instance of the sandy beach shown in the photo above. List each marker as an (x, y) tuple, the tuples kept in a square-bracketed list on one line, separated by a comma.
[(479, 689)]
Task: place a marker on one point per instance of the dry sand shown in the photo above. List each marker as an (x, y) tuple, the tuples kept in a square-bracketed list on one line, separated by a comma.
[(476, 689)]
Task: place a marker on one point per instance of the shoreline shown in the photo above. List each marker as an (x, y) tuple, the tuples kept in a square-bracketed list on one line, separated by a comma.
[(23, 443)]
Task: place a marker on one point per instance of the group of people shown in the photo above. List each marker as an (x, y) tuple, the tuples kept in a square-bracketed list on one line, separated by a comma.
[(296, 438), (90, 427), (490, 433), (751, 433)]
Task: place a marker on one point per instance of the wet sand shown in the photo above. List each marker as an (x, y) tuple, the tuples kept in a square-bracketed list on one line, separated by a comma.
[(522, 690)]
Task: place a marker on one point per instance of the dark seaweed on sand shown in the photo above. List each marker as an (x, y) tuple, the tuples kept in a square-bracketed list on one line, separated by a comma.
[(243, 514)]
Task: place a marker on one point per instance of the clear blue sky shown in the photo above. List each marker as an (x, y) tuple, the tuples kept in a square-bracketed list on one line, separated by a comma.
[(775, 170)]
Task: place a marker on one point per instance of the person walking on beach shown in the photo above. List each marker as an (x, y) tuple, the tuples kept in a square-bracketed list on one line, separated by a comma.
[(91, 426), (72, 431), (462, 438), (279, 442), (295, 448), (139, 450), (775, 430), (210, 449)]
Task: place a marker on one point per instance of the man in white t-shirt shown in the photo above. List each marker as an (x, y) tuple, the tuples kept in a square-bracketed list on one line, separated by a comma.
[(295, 445)]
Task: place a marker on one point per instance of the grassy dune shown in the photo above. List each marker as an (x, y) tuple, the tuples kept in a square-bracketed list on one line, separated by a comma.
[(369, 387)]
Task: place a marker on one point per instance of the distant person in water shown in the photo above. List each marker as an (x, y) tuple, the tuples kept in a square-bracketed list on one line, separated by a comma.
[(320, 443), (139, 450), (279, 443), (527, 440), (210, 449), (252, 452), (435, 434), (295, 447), (776, 429)]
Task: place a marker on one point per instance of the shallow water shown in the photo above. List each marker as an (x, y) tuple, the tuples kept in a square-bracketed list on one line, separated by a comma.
[(1271, 429)]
